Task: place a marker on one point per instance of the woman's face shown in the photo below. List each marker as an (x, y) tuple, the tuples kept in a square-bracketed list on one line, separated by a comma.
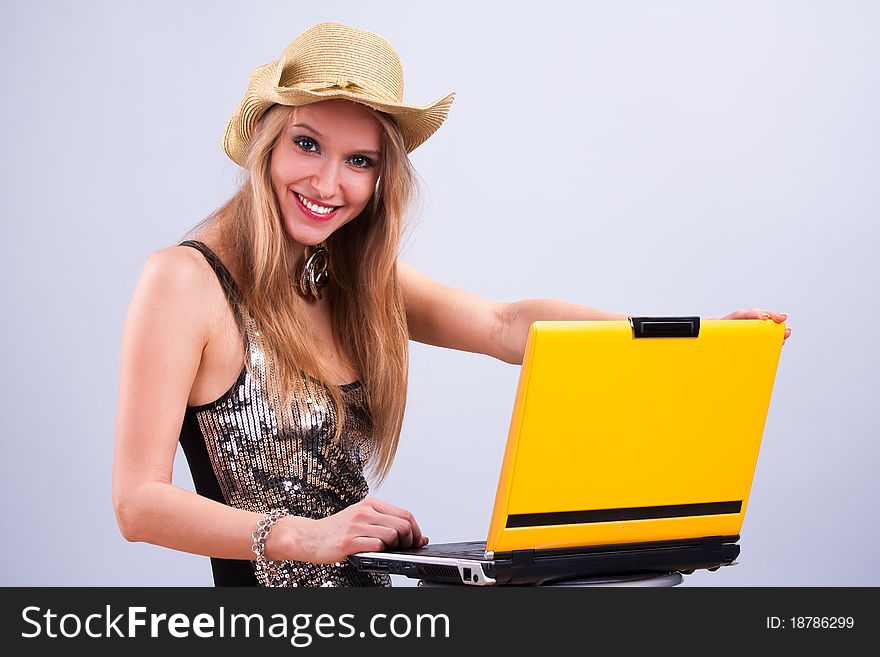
[(324, 168)]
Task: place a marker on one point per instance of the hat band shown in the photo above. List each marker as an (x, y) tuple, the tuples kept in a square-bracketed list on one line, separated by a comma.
[(340, 84)]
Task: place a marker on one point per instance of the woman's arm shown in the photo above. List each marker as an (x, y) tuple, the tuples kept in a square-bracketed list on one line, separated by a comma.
[(520, 315), (447, 317), (444, 316), (163, 340), (166, 332)]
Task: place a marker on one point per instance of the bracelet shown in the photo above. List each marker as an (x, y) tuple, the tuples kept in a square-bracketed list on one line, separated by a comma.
[(262, 567)]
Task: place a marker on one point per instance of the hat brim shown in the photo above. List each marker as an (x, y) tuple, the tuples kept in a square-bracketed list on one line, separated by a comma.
[(416, 122)]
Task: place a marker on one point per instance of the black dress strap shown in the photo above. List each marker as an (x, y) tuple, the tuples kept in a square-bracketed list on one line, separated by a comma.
[(227, 282)]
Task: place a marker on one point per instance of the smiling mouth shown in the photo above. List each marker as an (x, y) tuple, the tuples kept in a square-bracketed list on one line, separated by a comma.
[(316, 209)]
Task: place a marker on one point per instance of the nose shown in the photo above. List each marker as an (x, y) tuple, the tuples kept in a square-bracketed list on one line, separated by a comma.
[(326, 179)]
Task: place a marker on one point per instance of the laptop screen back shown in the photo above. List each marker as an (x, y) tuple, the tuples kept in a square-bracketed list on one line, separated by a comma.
[(617, 439)]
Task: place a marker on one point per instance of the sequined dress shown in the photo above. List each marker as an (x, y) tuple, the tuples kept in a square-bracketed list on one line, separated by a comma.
[(240, 454)]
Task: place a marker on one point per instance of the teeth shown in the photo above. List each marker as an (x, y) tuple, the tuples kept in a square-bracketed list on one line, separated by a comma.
[(314, 207)]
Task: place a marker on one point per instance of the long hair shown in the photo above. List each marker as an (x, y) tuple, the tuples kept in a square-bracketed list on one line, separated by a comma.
[(368, 316)]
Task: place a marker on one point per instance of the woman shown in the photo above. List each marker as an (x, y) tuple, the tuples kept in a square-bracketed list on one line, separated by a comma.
[(273, 346)]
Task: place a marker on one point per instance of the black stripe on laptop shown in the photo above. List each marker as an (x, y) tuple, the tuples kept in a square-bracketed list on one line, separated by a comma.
[(614, 515)]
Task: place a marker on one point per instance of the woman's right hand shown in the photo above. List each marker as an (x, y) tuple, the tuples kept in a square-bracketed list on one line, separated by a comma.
[(370, 525)]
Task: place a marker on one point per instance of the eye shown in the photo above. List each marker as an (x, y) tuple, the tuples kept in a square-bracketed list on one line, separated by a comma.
[(361, 161), (306, 144)]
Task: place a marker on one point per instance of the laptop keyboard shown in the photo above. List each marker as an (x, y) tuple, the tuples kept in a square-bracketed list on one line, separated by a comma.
[(464, 550)]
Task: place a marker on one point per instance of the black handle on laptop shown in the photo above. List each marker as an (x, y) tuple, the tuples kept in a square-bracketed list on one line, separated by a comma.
[(665, 327)]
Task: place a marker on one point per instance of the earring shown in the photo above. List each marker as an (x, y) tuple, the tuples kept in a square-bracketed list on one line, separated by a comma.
[(315, 274)]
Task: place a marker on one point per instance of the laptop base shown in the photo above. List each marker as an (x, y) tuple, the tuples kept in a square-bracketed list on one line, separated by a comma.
[(643, 580), (466, 563)]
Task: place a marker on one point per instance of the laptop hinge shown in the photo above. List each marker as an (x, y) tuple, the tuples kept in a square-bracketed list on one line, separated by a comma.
[(522, 557), (665, 327)]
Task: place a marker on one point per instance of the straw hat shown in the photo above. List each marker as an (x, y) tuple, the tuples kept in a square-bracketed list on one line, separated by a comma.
[(327, 61)]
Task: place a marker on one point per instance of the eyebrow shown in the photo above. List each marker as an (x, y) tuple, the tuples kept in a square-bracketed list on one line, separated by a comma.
[(308, 127), (365, 151)]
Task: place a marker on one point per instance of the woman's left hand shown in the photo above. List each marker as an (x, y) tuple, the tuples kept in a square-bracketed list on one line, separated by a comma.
[(760, 313)]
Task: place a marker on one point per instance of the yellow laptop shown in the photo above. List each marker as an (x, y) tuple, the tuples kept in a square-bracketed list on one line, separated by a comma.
[(632, 448)]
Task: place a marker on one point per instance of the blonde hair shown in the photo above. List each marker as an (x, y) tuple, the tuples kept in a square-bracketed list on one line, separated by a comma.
[(368, 317)]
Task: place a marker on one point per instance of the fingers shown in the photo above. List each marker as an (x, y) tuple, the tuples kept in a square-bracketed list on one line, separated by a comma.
[(777, 317), (388, 536), (370, 525), (758, 313), (408, 530), (381, 524), (366, 544), (762, 313)]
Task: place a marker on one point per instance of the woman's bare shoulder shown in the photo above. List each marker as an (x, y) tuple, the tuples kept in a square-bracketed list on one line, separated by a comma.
[(178, 271), (179, 279)]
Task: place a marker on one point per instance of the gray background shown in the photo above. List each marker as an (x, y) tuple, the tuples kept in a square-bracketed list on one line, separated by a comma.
[(665, 158)]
